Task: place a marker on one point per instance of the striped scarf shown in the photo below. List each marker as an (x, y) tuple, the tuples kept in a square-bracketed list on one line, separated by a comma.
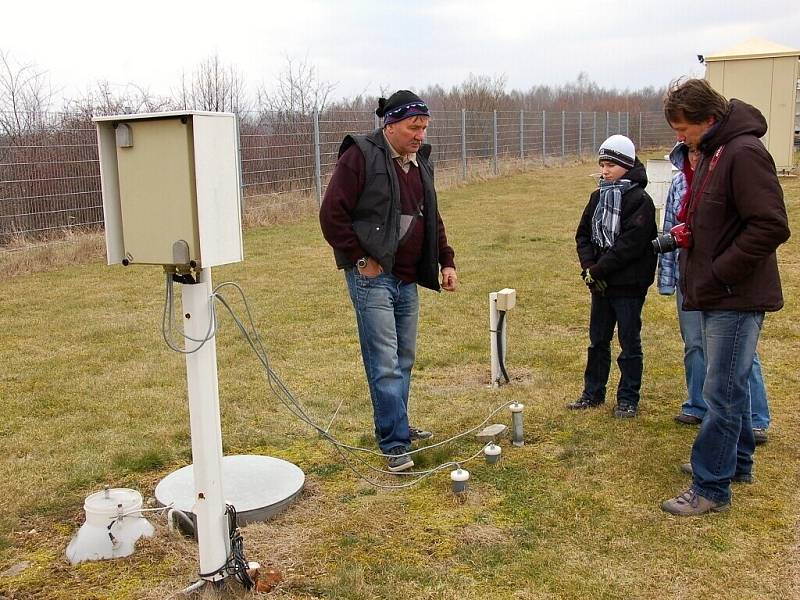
[(605, 222)]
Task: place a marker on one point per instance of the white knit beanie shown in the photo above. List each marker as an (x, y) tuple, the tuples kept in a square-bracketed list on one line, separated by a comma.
[(619, 150)]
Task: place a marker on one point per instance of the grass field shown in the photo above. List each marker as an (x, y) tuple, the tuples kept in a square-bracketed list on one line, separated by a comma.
[(91, 396)]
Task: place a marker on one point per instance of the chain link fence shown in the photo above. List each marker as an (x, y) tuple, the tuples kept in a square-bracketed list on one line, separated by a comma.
[(50, 177)]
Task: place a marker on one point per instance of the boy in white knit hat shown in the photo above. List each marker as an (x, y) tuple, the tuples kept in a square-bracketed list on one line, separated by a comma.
[(617, 265)]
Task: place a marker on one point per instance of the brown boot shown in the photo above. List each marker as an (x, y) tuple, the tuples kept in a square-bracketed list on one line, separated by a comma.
[(691, 504)]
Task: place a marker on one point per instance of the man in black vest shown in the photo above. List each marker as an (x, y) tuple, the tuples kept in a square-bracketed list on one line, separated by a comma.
[(380, 216)]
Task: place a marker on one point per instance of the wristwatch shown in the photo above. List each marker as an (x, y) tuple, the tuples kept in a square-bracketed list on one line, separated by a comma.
[(361, 263)]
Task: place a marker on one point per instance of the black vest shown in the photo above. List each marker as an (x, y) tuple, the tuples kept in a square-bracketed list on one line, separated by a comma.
[(376, 218)]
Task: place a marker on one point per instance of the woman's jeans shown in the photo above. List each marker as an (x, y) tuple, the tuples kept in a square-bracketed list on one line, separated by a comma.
[(725, 443), (626, 315), (694, 366), (386, 310)]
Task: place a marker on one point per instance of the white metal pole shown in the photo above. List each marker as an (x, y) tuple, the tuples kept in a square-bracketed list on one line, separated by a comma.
[(213, 537)]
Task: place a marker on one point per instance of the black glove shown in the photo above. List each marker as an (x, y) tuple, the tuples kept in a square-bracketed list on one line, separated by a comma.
[(595, 285), (587, 278)]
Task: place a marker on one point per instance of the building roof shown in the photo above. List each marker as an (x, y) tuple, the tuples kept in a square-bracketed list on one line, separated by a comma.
[(753, 48)]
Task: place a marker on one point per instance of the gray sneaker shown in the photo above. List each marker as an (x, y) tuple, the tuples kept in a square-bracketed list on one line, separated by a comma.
[(419, 434), (399, 460), (692, 504), (737, 478)]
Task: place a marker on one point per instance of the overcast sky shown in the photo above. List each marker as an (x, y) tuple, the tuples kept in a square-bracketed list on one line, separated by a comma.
[(366, 46)]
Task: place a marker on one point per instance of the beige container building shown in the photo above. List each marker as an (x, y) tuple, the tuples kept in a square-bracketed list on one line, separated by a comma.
[(765, 75)]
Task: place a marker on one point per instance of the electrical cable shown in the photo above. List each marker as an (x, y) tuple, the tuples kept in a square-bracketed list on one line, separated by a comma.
[(305, 418), (423, 474), (143, 510), (168, 322), (285, 396), (122, 515), (236, 564), (187, 521), (500, 353), (261, 353), (290, 402)]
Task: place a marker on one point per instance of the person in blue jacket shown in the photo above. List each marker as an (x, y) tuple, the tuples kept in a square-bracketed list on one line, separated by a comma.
[(694, 408)]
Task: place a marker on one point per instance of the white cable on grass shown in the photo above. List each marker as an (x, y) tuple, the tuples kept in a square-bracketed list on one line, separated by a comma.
[(285, 396)]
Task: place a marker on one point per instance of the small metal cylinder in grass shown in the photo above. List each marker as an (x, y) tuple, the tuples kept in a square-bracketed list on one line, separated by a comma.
[(459, 477), (492, 453), (516, 424)]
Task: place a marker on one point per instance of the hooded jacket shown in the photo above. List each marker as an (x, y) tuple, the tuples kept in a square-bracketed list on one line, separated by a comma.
[(739, 220), (668, 272), (629, 266)]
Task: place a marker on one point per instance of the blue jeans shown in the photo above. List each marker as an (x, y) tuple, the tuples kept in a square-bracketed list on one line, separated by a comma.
[(725, 444), (694, 363), (386, 310), (626, 315), (694, 366)]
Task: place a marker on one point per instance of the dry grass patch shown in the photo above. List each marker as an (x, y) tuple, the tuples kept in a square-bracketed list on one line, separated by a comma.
[(27, 257), (91, 397)]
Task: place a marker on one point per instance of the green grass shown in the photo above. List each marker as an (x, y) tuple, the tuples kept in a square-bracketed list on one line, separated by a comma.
[(91, 396)]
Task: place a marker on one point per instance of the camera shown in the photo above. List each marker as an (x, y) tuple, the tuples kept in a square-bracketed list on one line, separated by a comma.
[(679, 236)]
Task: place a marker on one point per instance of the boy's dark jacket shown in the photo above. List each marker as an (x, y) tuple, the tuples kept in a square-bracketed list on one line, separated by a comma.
[(740, 220), (629, 266)]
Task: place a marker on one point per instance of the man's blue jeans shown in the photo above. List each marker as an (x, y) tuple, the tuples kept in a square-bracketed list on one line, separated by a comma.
[(725, 444), (626, 315), (694, 366), (387, 310)]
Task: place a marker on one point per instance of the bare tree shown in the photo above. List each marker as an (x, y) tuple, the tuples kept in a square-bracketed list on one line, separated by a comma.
[(298, 90), (104, 99), (25, 97), (214, 87)]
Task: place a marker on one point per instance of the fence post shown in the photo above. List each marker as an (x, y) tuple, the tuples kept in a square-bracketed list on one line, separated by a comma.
[(627, 124), (522, 135), (544, 136), (242, 201), (641, 137), (464, 143), (377, 122), (580, 132), (619, 121), (563, 127), (317, 162), (608, 118), (494, 138)]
